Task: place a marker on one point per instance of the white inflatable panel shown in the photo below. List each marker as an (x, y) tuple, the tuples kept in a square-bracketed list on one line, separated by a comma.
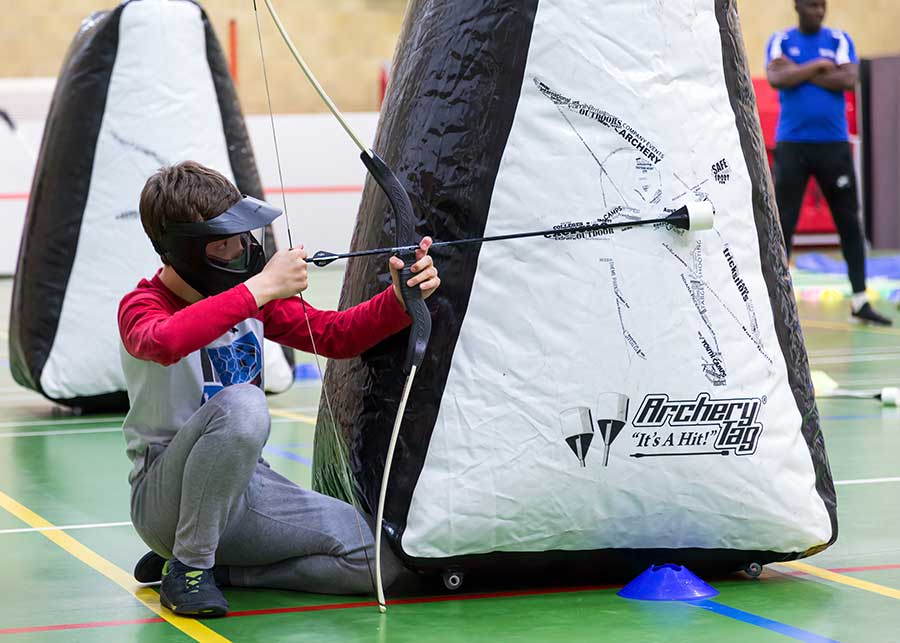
[(681, 371), (161, 108)]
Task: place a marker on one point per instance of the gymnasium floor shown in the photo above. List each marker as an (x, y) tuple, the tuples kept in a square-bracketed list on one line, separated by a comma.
[(67, 549)]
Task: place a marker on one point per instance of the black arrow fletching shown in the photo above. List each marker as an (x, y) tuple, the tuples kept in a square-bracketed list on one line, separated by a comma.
[(323, 258)]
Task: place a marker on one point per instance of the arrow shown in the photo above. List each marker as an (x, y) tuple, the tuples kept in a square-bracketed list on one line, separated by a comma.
[(692, 217)]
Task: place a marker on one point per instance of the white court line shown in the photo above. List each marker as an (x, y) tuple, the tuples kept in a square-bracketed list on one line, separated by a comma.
[(838, 483), (859, 350), (116, 429), (855, 359), (117, 419), (872, 382), (60, 422), (38, 434), (99, 525)]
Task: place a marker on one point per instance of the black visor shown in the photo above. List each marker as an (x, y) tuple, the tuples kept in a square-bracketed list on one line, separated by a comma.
[(184, 246), (245, 215)]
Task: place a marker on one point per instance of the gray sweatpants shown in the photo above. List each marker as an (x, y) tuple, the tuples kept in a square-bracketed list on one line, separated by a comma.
[(208, 498)]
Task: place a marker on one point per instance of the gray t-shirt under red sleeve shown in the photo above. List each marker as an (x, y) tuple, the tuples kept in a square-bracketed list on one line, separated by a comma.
[(177, 355)]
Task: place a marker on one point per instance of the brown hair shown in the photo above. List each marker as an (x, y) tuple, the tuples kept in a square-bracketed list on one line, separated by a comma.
[(184, 192)]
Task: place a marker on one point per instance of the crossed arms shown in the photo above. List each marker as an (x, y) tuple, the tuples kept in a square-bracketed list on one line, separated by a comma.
[(784, 73)]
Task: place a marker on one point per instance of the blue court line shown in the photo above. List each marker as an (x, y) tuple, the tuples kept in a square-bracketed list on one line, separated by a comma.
[(290, 455), (760, 621)]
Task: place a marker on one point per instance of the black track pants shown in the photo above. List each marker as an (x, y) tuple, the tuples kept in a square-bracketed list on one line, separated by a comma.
[(832, 166)]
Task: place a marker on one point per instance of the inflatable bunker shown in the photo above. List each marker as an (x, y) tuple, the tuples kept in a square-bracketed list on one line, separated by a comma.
[(596, 401), (143, 85)]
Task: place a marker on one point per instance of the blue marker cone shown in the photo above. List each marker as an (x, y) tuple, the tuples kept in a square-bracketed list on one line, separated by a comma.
[(306, 372), (667, 583)]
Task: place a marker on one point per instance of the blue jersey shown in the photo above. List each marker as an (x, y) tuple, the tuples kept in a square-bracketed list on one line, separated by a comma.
[(812, 114)]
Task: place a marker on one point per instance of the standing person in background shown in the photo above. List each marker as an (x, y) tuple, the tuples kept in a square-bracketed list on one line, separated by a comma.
[(812, 66)]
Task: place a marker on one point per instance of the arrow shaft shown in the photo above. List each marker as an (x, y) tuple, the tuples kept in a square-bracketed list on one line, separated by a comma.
[(588, 227)]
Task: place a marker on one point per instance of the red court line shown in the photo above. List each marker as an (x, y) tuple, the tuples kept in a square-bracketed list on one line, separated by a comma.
[(80, 626), (427, 599), (308, 189), (320, 608), (400, 601)]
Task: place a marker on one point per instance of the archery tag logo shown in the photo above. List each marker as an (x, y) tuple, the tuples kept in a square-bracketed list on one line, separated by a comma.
[(577, 425), (703, 426)]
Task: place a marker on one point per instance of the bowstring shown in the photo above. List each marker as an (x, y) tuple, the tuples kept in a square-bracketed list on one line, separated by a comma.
[(346, 482), (262, 56)]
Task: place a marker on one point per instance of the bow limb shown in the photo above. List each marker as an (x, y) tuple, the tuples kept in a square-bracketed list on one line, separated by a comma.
[(419, 334), (311, 77)]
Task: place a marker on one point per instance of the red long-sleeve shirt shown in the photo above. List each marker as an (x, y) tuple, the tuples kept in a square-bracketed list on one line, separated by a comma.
[(177, 355), (157, 325)]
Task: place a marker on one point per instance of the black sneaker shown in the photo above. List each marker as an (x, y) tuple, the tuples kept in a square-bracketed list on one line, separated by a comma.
[(149, 570), (867, 315), (188, 591)]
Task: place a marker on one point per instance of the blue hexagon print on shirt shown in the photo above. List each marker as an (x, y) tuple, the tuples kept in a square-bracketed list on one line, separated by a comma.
[(239, 362)]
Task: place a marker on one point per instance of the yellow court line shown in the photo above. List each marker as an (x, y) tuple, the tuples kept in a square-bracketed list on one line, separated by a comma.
[(306, 419), (826, 325), (193, 628), (834, 577)]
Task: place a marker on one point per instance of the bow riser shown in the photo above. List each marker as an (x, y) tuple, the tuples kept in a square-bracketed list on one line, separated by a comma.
[(404, 235)]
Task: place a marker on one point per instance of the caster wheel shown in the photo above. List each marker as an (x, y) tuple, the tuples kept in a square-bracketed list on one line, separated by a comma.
[(753, 570), (65, 411), (453, 579)]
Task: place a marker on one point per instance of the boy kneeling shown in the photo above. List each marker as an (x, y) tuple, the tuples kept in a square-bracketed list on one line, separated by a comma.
[(202, 498)]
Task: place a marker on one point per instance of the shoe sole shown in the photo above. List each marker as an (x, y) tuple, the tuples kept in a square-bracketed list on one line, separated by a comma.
[(867, 322), (216, 611)]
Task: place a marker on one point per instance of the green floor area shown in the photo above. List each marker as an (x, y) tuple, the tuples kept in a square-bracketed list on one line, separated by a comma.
[(72, 472)]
